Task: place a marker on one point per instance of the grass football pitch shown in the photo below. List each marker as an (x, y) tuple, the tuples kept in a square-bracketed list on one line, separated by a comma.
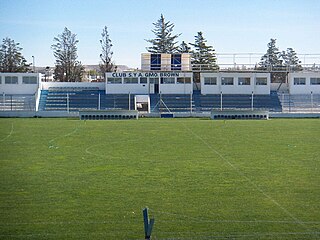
[(200, 179)]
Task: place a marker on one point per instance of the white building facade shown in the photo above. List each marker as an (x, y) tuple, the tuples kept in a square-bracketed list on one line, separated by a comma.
[(149, 83), (19, 83), (304, 82), (235, 83)]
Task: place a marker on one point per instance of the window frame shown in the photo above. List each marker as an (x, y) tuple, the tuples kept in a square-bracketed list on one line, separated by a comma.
[(155, 61), (26, 80), (185, 80), (297, 81), (167, 80), (11, 77), (264, 79), (114, 80), (176, 61), (154, 80), (314, 81), (130, 80), (227, 83), (242, 81), (144, 82), (210, 81)]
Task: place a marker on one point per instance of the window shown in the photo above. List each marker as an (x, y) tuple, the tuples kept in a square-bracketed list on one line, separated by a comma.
[(29, 80), (210, 81), (130, 80), (181, 80), (143, 80), (261, 81), (167, 80), (227, 81), (11, 80), (243, 81), (176, 62), (155, 62), (313, 81), (114, 80), (299, 81), (154, 80)]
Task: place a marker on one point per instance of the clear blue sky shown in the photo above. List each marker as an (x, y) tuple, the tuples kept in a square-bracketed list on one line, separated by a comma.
[(228, 25)]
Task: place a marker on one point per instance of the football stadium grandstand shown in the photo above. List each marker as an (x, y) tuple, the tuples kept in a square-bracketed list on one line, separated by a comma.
[(165, 84)]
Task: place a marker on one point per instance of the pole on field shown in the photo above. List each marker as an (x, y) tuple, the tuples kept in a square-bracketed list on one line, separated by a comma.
[(148, 224)]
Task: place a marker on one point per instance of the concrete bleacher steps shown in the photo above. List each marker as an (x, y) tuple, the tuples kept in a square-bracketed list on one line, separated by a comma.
[(238, 101), (17, 102), (300, 102), (75, 99)]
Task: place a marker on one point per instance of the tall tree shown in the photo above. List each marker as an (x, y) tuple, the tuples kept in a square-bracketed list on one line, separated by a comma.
[(68, 68), (165, 41), (272, 57), (203, 54), (11, 59), (291, 59), (184, 48), (106, 53)]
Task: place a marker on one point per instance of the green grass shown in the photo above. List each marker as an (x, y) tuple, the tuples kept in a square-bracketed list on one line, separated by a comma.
[(201, 179)]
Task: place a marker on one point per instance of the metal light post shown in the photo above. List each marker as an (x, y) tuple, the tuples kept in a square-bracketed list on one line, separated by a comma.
[(33, 64)]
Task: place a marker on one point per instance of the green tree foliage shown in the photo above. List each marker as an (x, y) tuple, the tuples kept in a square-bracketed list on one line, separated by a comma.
[(165, 41), (184, 48), (291, 59), (67, 67), (279, 63), (203, 54), (11, 59), (272, 58), (106, 54)]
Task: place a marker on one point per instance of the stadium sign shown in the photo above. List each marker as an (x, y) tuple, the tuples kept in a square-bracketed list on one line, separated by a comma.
[(145, 74)]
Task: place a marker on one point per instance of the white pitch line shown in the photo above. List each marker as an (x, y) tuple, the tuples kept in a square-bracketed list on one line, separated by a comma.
[(247, 178), (9, 135), (106, 156), (51, 142)]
